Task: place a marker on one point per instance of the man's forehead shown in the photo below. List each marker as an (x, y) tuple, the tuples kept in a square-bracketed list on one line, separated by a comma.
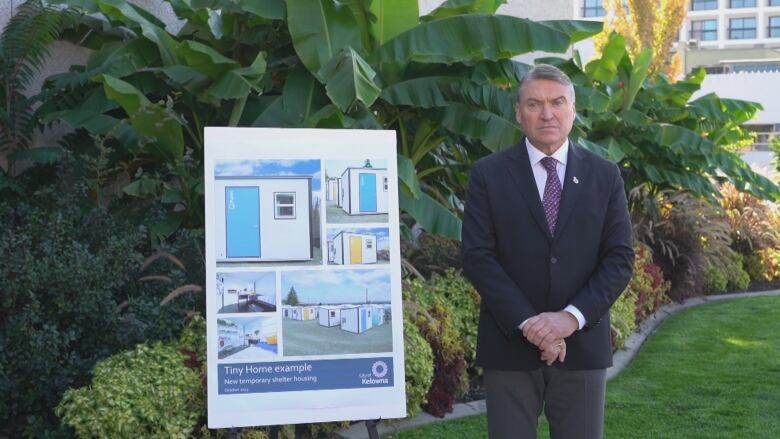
[(544, 89)]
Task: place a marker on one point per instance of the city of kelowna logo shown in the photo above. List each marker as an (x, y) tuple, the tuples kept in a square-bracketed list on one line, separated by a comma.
[(378, 374)]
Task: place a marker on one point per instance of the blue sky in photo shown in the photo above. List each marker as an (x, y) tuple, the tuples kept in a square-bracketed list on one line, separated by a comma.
[(338, 286), (334, 168), (382, 235), (265, 168)]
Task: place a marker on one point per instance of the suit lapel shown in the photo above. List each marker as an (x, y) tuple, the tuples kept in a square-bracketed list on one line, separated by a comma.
[(520, 169), (577, 173)]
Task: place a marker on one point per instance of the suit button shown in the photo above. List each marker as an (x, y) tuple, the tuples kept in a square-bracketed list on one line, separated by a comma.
[(553, 260)]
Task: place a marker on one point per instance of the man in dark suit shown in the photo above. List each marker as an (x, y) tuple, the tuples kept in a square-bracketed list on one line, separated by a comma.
[(547, 242)]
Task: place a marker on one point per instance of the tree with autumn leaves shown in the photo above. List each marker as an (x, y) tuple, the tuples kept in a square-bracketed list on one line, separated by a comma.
[(645, 24)]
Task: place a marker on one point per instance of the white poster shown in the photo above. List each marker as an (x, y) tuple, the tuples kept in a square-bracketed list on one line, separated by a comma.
[(303, 276)]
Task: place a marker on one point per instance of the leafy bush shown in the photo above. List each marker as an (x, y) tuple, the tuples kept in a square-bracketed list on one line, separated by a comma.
[(714, 280), (464, 302), (418, 357), (686, 234), (67, 270), (755, 224), (763, 265), (727, 274), (145, 392), (622, 318), (430, 254), (645, 293), (434, 319)]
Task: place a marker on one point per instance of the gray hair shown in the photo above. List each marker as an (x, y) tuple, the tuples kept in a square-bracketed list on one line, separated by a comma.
[(548, 72)]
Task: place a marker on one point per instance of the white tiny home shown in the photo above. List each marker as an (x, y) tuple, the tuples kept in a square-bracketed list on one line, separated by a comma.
[(263, 218), (357, 319), (354, 248), (333, 187), (304, 312), (329, 315), (363, 191)]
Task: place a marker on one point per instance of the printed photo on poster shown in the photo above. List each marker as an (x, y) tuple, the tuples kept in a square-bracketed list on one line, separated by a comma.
[(356, 191), (247, 338), (336, 312), (358, 246), (246, 292), (268, 211)]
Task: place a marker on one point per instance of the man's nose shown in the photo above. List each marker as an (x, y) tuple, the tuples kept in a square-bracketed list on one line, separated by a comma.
[(547, 113)]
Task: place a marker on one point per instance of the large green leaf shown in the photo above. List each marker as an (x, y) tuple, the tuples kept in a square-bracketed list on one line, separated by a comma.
[(577, 30), (468, 39), (271, 9), (392, 18), (129, 97), (639, 71), (123, 58), (488, 128), (204, 59), (303, 96), (320, 29), (148, 119), (431, 215), (349, 79), (408, 176), (605, 69), (121, 10), (461, 7), (46, 154)]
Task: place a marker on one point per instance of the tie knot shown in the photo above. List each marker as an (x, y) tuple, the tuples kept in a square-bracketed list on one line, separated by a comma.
[(549, 164)]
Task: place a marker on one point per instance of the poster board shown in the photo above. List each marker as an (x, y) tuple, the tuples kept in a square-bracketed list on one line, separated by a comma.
[(303, 276)]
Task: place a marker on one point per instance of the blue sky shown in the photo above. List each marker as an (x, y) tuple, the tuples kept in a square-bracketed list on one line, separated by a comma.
[(334, 168), (258, 168), (338, 286), (382, 234)]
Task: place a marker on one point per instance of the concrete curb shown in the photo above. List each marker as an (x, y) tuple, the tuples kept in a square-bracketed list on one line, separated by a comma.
[(621, 359)]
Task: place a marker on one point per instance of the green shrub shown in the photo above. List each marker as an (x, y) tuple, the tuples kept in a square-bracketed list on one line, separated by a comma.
[(622, 318), (436, 324), (145, 392), (645, 293), (763, 265), (464, 303), (715, 280), (418, 358), (67, 269)]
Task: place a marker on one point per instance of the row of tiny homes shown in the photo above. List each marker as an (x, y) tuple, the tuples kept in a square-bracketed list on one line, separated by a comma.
[(352, 318)]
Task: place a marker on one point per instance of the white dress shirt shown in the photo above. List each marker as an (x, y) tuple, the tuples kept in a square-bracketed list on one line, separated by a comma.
[(540, 176)]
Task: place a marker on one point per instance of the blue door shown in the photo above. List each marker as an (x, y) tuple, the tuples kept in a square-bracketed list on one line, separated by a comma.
[(367, 192), (364, 319), (242, 222)]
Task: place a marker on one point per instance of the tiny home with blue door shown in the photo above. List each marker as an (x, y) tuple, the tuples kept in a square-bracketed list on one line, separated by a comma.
[(263, 218), (357, 319), (363, 191)]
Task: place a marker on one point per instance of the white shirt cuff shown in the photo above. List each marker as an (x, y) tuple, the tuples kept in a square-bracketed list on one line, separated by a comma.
[(523, 324), (571, 309)]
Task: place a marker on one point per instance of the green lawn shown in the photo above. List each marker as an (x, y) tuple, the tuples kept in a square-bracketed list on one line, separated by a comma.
[(709, 371)]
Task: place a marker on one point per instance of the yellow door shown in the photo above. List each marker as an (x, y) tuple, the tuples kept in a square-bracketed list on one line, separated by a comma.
[(305, 314), (355, 250)]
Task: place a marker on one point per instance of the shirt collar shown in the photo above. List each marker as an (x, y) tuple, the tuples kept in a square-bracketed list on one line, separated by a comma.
[(536, 156)]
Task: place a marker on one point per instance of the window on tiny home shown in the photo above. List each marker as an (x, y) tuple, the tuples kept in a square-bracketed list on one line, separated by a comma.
[(284, 205), (384, 183), (369, 243)]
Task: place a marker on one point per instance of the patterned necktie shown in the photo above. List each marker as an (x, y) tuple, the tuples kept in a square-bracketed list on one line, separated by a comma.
[(552, 193)]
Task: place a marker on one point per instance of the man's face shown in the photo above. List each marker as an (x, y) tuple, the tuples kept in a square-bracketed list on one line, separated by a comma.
[(546, 113)]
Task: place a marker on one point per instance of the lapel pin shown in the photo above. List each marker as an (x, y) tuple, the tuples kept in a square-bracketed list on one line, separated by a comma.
[(575, 180)]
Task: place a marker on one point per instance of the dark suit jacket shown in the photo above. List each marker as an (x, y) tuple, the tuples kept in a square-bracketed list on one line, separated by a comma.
[(520, 270)]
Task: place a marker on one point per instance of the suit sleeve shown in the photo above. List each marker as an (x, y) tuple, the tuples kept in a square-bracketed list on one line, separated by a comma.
[(616, 259), (501, 296)]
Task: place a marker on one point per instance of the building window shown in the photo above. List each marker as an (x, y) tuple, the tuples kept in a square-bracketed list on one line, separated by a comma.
[(734, 4), (703, 5), (773, 31), (742, 28), (704, 30), (593, 8), (284, 205)]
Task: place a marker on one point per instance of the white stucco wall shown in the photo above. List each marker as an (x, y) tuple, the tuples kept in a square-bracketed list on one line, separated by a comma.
[(758, 87)]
